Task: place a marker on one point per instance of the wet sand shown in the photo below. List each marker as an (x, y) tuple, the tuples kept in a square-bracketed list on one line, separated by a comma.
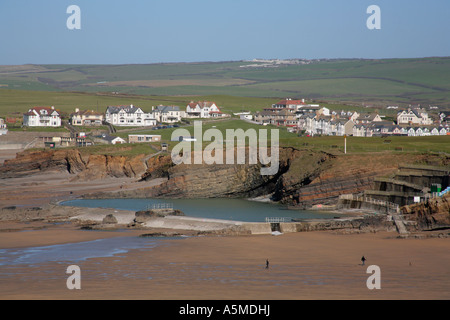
[(305, 265)]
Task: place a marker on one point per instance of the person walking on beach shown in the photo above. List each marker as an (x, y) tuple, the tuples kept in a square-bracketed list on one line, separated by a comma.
[(267, 263), (363, 259)]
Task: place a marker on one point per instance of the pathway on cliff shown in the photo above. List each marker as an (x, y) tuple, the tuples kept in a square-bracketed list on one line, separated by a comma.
[(399, 223)]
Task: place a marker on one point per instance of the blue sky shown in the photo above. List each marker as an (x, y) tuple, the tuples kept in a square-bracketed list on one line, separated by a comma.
[(153, 31)]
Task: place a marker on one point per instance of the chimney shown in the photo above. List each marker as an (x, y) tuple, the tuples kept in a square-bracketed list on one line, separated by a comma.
[(77, 110)]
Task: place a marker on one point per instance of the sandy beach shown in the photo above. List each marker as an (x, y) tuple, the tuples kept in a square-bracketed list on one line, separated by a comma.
[(305, 265), (302, 265)]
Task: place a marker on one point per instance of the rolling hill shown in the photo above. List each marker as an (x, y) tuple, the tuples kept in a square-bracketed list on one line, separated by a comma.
[(382, 82)]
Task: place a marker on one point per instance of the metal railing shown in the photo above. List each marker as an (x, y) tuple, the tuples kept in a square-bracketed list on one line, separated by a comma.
[(278, 219), (162, 205)]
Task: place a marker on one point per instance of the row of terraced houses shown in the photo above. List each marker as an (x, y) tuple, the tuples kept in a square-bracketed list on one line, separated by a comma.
[(313, 119)]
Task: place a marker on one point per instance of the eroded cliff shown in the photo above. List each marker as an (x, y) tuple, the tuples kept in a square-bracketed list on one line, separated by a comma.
[(429, 215), (86, 167), (304, 178)]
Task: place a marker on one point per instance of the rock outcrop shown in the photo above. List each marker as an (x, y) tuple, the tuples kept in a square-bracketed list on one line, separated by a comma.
[(429, 215), (85, 167), (305, 177), (344, 174), (227, 180)]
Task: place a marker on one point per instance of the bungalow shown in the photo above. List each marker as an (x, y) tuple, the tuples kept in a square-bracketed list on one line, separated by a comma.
[(113, 140), (411, 131), (203, 109), (245, 117), (443, 131), (289, 103), (434, 132), (397, 130), (138, 138), (86, 118), (383, 128), (427, 131), (42, 117), (129, 116), (415, 132)]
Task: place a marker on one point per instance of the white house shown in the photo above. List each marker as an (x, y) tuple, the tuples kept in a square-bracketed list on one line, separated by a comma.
[(203, 109), (168, 114), (245, 117), (86, 118), (129, 116), (42, 117), (313, 108), (307, 122), (413, 117), (443, 131), (323, 125), (362, 130), (3, 128), (341, 127), (289, 103), (113, 140), (426, 131)]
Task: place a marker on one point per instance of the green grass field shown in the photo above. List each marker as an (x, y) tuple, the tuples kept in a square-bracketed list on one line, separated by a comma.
[(351, 85), (331, 144), (386, 81)]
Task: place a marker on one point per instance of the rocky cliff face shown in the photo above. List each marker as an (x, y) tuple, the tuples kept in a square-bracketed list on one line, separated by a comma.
[(210, 181), (89, 167), (304, 178), (434, 213), (331, 176)]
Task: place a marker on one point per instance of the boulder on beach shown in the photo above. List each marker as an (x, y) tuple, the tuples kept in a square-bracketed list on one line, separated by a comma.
[(109, 219)]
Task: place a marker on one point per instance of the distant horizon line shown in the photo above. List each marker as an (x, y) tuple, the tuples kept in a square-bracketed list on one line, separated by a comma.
[(223, 61)]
